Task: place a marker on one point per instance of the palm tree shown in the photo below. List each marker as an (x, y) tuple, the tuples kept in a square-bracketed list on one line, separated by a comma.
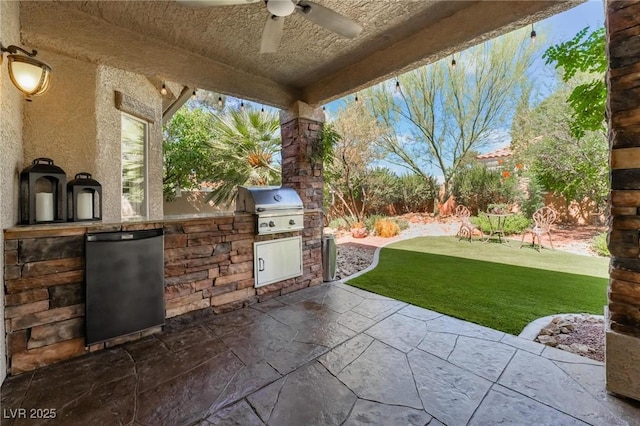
[(245, 151)]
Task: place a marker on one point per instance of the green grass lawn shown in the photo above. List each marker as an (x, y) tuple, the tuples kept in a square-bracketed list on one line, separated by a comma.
[(496, 285)]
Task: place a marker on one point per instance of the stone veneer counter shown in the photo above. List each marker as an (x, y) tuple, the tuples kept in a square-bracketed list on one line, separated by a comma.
[(208, 264)]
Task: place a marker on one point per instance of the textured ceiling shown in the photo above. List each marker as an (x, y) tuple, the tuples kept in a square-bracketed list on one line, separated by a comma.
[(217, 48)]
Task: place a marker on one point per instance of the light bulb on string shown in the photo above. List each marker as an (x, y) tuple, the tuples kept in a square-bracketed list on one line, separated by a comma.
[(533, 34), (241, 105), (193, 95), (397, 86), (163, 91), (453, 62), (219, 100), (356, 98)]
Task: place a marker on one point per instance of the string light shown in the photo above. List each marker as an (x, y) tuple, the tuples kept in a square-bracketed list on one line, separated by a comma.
[(193, 95), (323, 108), (241, 105), (397, 85), (356, 98), (453, 62), (533, 34), (262, 110), (163, 91), (219, 100)]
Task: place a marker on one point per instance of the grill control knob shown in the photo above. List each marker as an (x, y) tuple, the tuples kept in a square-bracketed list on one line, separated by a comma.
[(272, 224), (292, 222)]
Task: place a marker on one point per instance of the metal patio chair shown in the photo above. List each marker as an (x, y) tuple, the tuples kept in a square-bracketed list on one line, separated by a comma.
[(466, 227), (543, 218)]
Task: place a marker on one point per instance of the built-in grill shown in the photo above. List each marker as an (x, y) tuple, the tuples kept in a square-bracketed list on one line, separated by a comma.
[(277, 209)]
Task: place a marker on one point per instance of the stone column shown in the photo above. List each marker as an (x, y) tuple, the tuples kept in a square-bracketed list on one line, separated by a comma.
[(301, 128), (623, 108)]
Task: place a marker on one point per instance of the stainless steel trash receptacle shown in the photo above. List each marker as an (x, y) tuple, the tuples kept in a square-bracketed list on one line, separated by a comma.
[(329, 257)]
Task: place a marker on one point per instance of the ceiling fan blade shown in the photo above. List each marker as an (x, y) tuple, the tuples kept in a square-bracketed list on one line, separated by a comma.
[(207, 3), (329, 19), (272, 34)]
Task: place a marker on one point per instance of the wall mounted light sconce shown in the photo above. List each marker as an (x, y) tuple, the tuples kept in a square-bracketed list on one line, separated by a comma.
[(28, 74)]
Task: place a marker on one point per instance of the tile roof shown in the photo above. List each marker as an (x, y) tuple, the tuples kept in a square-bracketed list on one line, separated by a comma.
[(498, 153)]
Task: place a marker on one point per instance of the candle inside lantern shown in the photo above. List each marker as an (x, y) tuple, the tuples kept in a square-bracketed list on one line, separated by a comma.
[(85, 205), (44, 206)]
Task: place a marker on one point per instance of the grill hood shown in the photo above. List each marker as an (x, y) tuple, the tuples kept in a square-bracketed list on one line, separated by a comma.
[(265, 199)]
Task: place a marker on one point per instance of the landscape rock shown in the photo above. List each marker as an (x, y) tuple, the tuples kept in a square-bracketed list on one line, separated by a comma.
[(353, 258), (547, 340), (579, 348), (580, 334)]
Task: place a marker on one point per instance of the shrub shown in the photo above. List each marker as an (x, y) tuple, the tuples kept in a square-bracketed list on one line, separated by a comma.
[(599, 245), (386, 228), (477, 187), (514, 224), (417, 193), (533, 199), (370, 221), (402, 223), (382, 189), (338, 223)]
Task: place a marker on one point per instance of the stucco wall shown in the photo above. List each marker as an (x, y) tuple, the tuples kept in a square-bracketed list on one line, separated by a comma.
[(11, 105), (77, 124), (61, 124), (191, 203), (108, 137)]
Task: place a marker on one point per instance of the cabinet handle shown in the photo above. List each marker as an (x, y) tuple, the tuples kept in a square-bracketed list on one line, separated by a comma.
[(260, 264)]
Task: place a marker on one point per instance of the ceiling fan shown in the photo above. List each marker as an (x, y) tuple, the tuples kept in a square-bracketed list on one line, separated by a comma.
[(280, 9)]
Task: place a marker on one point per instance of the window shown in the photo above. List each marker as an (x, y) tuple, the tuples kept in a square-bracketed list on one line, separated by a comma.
[(134, 135)]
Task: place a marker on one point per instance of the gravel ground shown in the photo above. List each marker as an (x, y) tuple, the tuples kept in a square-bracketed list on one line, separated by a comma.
[(356, 254), (587, 333), (353, 258)]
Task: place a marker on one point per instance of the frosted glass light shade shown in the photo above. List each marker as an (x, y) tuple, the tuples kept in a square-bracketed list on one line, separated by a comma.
[(29, 75), (281, 7)]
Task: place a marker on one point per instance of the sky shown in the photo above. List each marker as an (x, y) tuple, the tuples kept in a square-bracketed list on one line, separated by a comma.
[(563, 27), (551, 31)]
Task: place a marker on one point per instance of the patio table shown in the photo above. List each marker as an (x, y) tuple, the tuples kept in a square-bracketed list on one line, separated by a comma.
[(496, 225)]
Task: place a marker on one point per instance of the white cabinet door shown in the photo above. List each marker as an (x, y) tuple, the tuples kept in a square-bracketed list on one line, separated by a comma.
[(277, 260)]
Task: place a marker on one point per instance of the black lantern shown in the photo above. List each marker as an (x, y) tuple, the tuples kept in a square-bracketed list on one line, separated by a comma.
[(43, 197), (84, 198)]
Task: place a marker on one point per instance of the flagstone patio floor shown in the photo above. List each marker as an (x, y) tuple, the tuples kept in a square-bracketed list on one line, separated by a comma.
[(326, 355)]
